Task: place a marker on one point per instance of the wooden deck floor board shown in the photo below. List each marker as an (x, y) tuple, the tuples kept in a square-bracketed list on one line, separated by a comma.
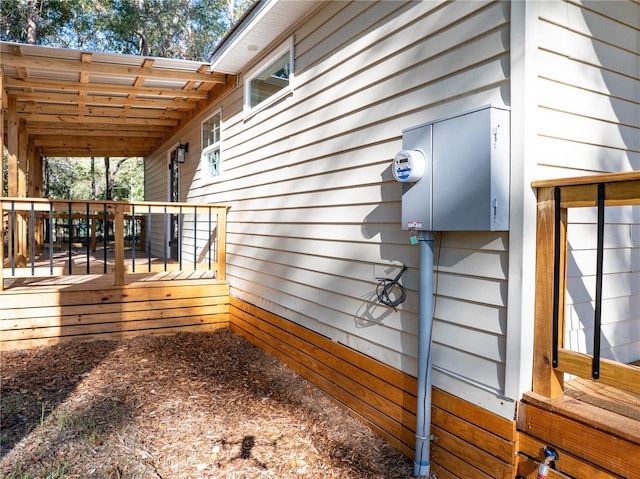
[(612, 399)]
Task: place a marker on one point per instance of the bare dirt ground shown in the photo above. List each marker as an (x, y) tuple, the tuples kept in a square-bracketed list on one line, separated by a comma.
[(206, 405)]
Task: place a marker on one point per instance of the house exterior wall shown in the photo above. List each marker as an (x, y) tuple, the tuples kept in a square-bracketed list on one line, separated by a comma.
[(588, 115), (156, 187), (315, 212), (315, 216)]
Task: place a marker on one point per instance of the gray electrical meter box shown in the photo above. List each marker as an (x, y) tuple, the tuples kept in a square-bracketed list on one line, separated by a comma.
[(465, 184)]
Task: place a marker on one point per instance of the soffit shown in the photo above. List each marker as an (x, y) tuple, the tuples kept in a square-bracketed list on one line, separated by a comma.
[(267, 21), (77, 103)]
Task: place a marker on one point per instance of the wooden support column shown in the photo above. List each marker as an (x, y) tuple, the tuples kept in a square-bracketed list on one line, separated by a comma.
[(12, 160), (2, 96), (1, 239), (221, 244), (548, 381), (35, 191), (12, 147), (23, 162)]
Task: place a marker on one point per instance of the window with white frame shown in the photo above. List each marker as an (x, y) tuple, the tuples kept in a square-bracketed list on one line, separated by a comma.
[(211, 145), (271, 79)]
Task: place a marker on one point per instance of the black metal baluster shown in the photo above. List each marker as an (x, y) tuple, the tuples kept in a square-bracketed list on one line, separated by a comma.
[(195, 236), (88, 219), (51, 226), (179, 239), (556, 275), (105, 240), (32, 224), (70, 226), (13, 238), (149, 240), (133, 238), (209, 241), (597, 321), (164, 239)]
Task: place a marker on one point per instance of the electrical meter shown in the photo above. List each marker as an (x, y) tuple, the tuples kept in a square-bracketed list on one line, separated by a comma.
[(409, 166)]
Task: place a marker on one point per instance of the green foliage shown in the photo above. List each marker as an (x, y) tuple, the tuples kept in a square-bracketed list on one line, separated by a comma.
[(25, 21), (72, 178), (187, 29)]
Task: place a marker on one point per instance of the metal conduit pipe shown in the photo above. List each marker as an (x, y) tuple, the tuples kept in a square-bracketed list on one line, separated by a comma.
[(421, 465)]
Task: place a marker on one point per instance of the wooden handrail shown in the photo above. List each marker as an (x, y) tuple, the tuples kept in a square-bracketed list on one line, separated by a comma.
[(25, 220), (621, 189)]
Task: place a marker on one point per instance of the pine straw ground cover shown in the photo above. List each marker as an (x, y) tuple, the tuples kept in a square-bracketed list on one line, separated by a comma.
[(205, 405)]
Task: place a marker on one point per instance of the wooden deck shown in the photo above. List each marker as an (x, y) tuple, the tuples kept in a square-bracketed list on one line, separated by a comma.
[(79, 262), (595, 428), (37, 311), (623, 403)]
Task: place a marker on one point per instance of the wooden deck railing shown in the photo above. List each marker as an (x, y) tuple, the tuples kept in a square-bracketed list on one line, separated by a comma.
[(551, 359), (41, 237)]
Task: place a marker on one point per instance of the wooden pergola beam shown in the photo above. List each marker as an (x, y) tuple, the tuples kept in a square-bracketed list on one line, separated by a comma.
[(87, 142), (106, 120), (26, 110), (28, 85), (110, 69), (94, 132), (74, 94), (70, 98)]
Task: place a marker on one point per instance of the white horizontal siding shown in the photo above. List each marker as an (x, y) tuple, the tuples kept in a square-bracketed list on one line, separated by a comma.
[(620, 288), (589, 121), (327, 148), (156, 180), (589, 86), (315, 212)]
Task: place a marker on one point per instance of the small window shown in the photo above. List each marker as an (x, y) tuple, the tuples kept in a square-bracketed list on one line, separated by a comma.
[(271, 79), (211, 145)]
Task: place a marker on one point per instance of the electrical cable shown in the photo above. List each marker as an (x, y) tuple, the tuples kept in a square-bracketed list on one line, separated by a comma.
[(385, 289)]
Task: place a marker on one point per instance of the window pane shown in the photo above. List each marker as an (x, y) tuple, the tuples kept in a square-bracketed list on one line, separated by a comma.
[(211, 131), (270, 81), (213, 163)]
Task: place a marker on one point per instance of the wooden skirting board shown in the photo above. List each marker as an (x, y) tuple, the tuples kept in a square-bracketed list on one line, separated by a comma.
[(92, 309), (592, 442), (471, 442)]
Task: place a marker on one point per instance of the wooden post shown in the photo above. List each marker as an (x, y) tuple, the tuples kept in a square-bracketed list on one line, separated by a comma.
[(21, 218), (12, 147), (35, 191), (1, 180), (1, 239), (119, 245), (548, 381), (12, 160), (221, 243), (2, 95)]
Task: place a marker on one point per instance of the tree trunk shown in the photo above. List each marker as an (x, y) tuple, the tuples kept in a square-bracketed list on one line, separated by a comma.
[(107, 175), (32, 21)]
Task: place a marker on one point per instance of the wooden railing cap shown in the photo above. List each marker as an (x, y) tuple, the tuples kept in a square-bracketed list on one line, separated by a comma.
[(588, 180)]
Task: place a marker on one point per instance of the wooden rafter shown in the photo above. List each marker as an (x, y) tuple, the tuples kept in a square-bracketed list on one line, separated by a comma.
[(92, 104)]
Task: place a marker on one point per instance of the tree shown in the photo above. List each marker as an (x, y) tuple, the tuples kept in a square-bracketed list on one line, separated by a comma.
[(30, 22), (85, 179), (187, 29)]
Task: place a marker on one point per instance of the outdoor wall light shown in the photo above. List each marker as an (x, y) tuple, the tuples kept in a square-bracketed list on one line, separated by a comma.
[(182, 151)]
